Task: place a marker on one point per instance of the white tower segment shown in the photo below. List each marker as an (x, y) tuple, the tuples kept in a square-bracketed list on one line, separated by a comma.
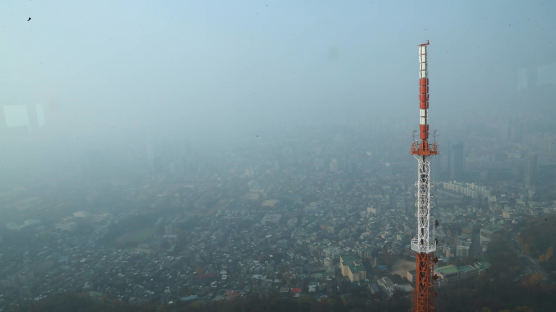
[(423, 242)]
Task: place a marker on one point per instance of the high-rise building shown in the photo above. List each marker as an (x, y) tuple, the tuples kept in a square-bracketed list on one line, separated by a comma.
[(455, 162), (2, 117), (529, 173)]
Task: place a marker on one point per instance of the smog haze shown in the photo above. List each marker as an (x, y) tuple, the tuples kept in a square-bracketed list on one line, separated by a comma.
[(257, 143)]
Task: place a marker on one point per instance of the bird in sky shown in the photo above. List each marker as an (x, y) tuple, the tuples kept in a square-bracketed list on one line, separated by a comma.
[(29, 19)]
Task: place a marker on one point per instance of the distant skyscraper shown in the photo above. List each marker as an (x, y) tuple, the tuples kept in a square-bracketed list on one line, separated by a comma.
[(33, 118), (2, 117), (475, 248), (149, 150), (455, 162), (530, 170), (16, 116), (30, 116), (516, 128)]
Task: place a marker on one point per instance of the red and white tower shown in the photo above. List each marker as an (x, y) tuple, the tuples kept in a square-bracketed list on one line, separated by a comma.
[(423, 246)]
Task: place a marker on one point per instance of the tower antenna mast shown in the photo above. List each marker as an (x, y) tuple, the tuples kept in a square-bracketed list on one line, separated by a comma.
[(423, 246)]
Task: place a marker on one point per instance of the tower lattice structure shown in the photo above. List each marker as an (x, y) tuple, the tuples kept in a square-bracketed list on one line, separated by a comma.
[(423, 246)]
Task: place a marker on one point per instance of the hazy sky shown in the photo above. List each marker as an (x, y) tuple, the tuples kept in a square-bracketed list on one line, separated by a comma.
[(221, 65)]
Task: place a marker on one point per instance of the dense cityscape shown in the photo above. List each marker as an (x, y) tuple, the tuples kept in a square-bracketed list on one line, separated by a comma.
[(305, 217)]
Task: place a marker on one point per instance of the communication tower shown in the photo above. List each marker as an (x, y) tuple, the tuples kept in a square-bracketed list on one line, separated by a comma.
[(423, 246)]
